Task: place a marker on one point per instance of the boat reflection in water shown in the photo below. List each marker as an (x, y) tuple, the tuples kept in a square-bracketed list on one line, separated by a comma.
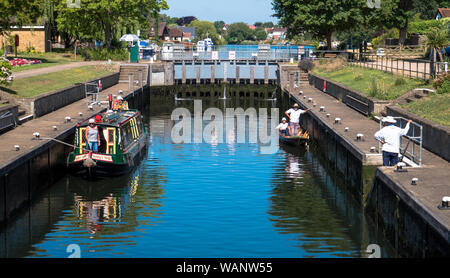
[(97, 206)]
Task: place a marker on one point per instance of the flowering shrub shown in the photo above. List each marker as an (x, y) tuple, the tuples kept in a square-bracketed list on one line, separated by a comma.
[(20, 62), (5, 72)]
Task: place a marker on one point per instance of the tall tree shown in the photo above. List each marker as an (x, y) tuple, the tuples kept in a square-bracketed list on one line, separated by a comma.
[(204, 29), (103, 19), (239, 32), (321, 18)]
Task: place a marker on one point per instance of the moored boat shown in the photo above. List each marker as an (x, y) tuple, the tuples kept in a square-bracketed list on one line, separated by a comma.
[(294, 140), (123, 141)]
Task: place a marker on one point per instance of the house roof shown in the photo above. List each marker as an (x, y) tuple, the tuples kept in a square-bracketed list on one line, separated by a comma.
[(445, 12), (190, 30), (161, 28), (175, 32), (278, 29)]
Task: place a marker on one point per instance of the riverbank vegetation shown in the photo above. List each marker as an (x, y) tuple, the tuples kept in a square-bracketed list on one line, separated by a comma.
[(374, 83), (435, 107), (36, 85)]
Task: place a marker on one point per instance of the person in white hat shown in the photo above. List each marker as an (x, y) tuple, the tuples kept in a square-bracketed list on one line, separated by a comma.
[(92, 136), (283, 128), (120, 104), (294, 118), (389, 136)]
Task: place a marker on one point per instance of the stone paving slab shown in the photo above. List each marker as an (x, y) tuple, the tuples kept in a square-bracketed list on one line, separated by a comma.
[(23, 134), (424, 198)]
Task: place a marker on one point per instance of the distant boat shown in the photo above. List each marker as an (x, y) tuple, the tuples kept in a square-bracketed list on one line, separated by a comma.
[(205, 45)]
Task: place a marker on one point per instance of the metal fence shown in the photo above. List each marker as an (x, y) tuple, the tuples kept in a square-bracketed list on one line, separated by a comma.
[(413, 68), (220, 53)]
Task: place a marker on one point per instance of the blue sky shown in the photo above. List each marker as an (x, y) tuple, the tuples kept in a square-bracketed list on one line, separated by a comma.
[(249, 11)]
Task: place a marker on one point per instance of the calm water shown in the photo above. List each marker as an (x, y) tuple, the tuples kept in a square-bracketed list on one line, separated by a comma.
[(197, 200)]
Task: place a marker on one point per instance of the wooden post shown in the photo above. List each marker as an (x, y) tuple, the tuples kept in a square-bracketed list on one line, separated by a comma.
[(197, 74), (213, 74), (266, 75), (130, 83), (183, 73), (238, 75), (252, 75)]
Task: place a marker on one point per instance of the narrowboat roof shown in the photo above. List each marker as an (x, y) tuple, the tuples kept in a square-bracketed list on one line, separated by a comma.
[(110, 118)]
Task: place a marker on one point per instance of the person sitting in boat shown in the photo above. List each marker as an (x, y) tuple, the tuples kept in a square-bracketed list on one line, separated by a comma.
[(92, 136), (294, 119), (283, 127), (120, 104)]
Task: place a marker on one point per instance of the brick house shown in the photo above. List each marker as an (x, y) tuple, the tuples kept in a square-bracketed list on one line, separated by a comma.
[(31, 36)]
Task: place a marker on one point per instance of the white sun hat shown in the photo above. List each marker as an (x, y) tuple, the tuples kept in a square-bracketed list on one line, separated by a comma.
[(284, 119), (389, 119), (119, 98), (92, 121)]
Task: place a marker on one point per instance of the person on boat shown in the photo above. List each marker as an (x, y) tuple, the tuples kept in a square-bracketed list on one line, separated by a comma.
[(294, 119), (120, 104), (283, 127), (389, 136), (92, 136)]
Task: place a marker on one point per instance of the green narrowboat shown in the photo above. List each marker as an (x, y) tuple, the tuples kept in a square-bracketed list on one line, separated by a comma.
[(123, 143)]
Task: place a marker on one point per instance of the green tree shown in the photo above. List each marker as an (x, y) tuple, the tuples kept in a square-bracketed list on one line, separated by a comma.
[(437, 39), (239, 32), (106, 19), (260, 34), (219, 26), (205, 29), (268, 24), (318, 17)]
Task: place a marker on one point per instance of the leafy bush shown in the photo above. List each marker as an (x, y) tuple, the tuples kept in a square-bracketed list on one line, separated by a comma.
[(377, 89), (5, 72), (445, 87), (103, 54), (306, 65)]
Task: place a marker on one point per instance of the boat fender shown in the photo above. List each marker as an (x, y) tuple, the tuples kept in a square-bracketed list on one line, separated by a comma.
[(89, 163)]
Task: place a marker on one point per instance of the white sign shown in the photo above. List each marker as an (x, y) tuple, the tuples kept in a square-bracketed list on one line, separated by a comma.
[(101, 157), (232, 55), (301, 50), (215, 55)]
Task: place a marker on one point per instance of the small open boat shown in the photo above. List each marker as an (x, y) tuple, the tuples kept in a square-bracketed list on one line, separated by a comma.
[(294, 140), (123, 142)]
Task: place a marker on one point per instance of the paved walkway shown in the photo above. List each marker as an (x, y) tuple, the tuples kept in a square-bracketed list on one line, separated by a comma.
[(39, 71)]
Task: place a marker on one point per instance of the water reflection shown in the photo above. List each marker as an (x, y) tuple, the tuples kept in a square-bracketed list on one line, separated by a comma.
[(298, 207)]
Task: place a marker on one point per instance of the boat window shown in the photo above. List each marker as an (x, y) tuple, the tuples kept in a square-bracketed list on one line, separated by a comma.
[(126, 135)]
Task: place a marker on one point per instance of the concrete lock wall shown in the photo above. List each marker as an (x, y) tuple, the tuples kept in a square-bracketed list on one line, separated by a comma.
[(436, 137), (24, 178), (402, 225), (50, 102), (353, 99), (358, 178)]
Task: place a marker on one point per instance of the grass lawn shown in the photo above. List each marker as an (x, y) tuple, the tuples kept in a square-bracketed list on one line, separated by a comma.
[(435, 107), (48, 59), (363, 80), (36, 85)]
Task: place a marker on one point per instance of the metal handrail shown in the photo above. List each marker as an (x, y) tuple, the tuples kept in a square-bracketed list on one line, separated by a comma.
[(416, 139)]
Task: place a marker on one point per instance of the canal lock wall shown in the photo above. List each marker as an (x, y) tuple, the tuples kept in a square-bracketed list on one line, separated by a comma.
[(24, 178), (394, 214)]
